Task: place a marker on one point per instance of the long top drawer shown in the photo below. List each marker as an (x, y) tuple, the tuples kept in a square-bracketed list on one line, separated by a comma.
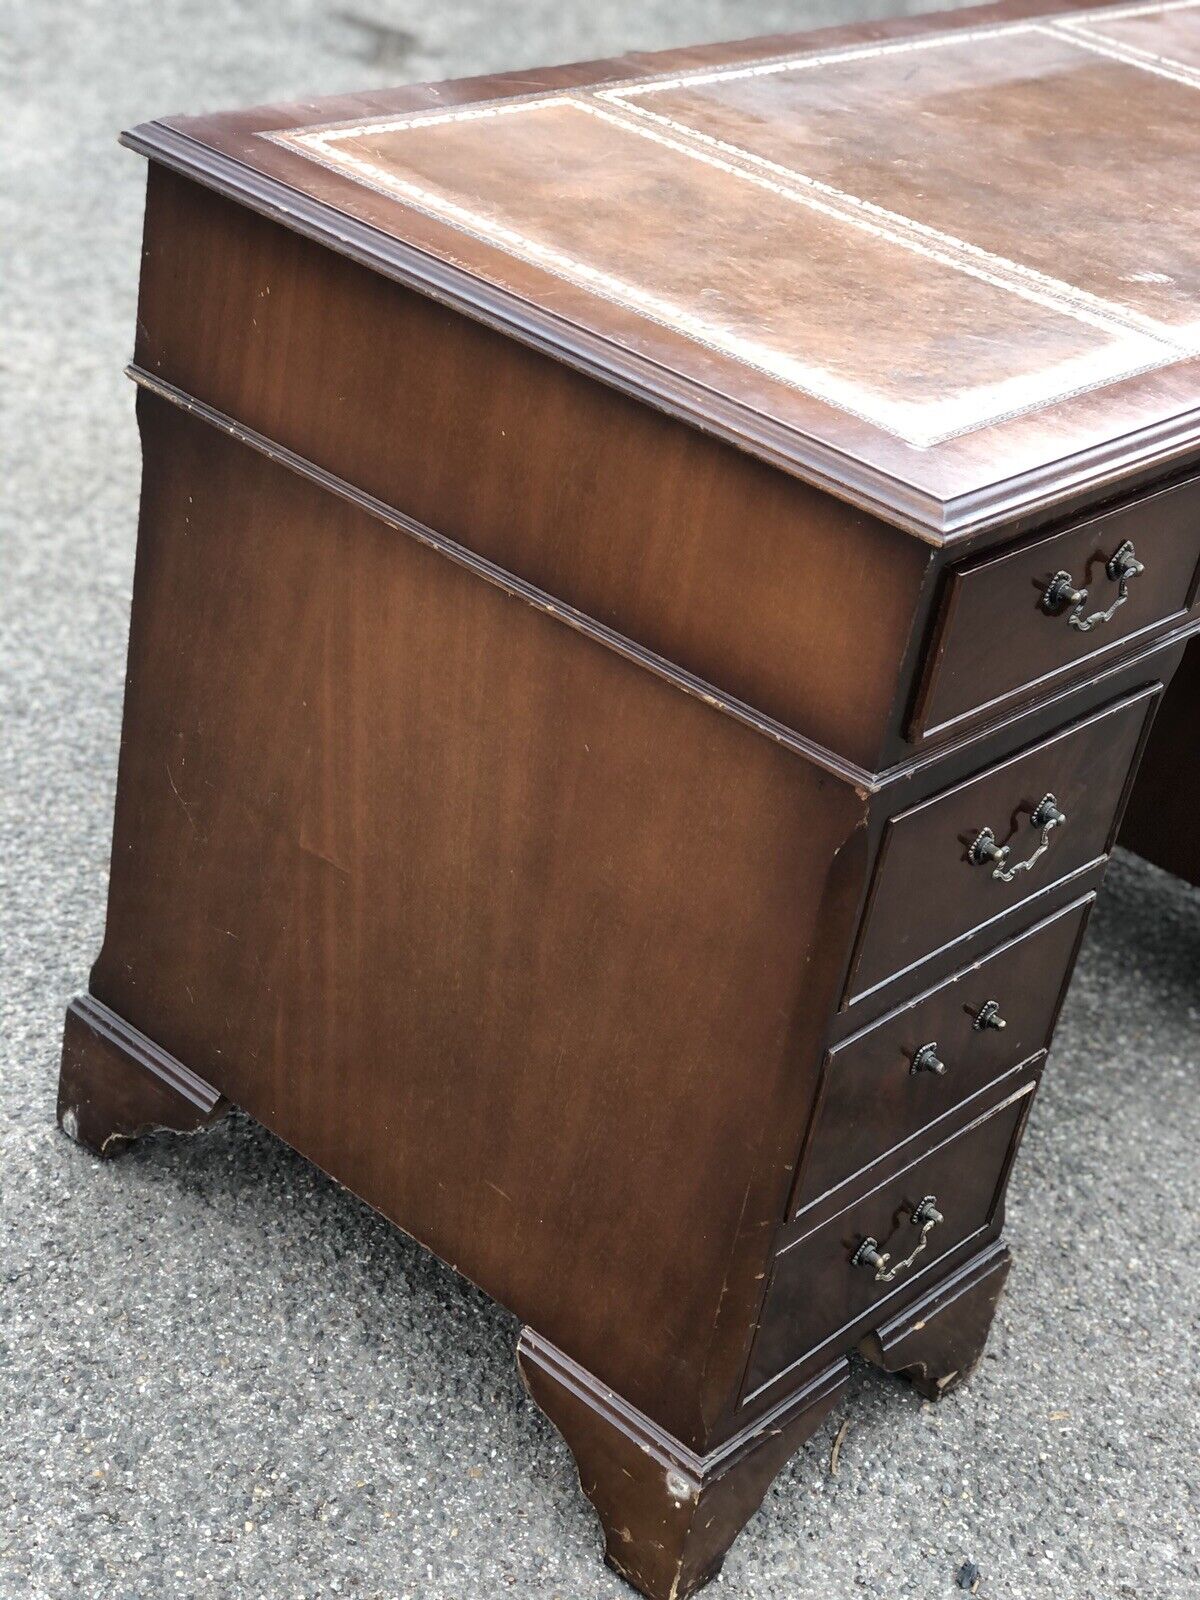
[(1025, 618)]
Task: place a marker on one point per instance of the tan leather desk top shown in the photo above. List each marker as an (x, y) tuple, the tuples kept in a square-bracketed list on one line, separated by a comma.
[(950, 267)]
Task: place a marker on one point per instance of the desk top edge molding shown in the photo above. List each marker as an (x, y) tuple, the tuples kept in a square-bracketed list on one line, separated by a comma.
[(1151, 420)]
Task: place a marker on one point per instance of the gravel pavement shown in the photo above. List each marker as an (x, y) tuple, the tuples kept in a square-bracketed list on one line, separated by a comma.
[(221, 1376)]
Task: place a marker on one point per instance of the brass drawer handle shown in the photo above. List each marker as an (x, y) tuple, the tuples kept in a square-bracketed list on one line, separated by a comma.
[(1121, 566), (1046, 816), (926, 1216)]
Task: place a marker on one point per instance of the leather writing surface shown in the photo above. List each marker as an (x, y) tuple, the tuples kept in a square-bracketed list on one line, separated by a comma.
[(1166, 35), (949, 201), (944, 266), (1018, 147)]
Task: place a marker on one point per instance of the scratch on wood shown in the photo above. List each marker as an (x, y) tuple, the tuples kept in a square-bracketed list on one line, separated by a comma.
[(174, 789)]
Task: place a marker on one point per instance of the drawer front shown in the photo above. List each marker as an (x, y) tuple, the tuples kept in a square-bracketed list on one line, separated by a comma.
[(883, 1085), (995, 635), (932, 885), (817, 1290)]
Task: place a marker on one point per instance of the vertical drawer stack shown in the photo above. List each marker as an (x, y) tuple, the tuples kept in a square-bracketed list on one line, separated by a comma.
[(977, 902)]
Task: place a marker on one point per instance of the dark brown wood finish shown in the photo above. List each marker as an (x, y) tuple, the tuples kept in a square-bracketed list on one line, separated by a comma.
[(554, 734), (1160, 823), (820, 1299), (420, 840), (668, 1515), (938, 1343), (996, 636), (981, 1022), (115, 1084), (693, 549), (928, 849)]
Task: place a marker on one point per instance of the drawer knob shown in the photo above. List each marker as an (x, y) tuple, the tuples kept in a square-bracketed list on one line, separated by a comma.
[(988, 1016), (1046, 816), (1061, 592), (926, 1060), (925, 1216)]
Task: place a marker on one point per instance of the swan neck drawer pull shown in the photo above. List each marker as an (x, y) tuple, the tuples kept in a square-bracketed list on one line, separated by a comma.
[(926, 1216), (984, 849), (1120, 567)]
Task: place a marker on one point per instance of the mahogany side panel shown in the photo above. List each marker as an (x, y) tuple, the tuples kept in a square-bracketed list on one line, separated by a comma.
[(757, 583), (523, 945)]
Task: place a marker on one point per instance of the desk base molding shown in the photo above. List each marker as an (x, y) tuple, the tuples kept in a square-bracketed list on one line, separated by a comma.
[(669, 1515), (939, 1342), (116, 1084)]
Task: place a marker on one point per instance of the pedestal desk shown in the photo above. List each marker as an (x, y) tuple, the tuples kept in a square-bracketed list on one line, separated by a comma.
[(653, 580)]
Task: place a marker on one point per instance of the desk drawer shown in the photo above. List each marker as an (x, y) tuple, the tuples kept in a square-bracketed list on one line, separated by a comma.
[(880, 1087), (934, 882), (997, 635), (819, 1290)]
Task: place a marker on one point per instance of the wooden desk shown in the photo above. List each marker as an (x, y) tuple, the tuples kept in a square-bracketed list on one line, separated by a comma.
[(1161, 822), (618, 757)]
